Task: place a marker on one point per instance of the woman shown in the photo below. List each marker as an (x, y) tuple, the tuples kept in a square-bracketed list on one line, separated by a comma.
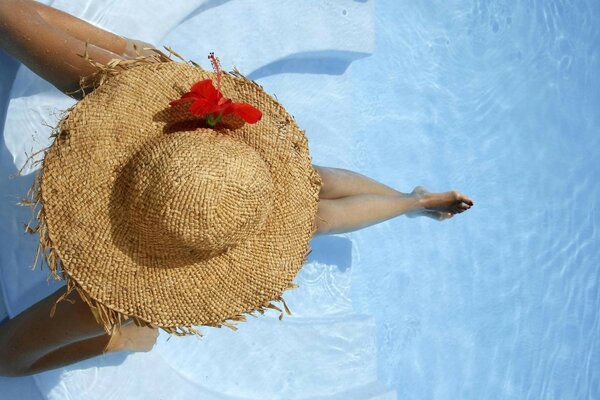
[(50, 42)]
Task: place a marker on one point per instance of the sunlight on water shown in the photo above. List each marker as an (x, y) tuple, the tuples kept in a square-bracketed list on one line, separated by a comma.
[(496, 99), (499, 100)]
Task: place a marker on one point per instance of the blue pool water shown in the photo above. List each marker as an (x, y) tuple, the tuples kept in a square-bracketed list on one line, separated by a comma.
[(497, 99)]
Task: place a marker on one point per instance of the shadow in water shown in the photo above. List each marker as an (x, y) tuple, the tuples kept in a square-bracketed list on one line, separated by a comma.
[(207, 5), (328, 62), (332, 250)]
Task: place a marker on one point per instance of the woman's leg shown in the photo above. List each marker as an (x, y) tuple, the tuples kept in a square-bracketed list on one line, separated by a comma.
[(351, 213), (87, 32), (338, 183), (33, 342), (69, 354), (33, 334), (80, 29), (48, 50), (130, 338), (349, 201)]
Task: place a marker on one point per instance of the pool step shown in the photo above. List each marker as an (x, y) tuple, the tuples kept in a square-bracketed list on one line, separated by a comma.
[(311, 356), (306, 358)]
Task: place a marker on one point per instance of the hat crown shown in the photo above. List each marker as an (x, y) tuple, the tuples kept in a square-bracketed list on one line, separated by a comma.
[(196, 194)]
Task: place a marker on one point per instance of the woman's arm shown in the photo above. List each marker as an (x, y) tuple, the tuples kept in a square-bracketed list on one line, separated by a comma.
[(80, 29), (48, 50), (87, 32)]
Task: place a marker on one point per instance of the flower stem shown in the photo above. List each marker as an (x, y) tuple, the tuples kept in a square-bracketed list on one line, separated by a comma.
[(212, 121)]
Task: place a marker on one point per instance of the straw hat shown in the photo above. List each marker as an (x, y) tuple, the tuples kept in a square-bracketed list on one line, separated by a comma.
[(152, 216)]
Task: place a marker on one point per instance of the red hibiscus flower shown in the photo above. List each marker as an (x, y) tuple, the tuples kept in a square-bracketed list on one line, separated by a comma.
[(209, 101)]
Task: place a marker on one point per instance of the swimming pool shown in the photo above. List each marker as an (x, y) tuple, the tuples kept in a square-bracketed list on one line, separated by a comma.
[(495, 99)]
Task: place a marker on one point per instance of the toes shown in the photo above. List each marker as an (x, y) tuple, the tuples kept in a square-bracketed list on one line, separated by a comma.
[(457, 209), (461, 207), (457, 196), (465, 199)]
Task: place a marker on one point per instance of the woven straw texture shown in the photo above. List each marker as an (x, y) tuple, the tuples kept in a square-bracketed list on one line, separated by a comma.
[(175, 228)]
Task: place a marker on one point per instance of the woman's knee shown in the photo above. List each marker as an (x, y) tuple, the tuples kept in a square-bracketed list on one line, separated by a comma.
[(322, 221), (324, 174), (133, 338)]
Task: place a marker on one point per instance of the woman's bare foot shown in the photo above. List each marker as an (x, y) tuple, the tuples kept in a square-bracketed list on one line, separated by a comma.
[(440, 206), (132, 338)]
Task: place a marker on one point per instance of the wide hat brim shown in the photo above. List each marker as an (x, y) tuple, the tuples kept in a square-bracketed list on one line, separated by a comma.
[(78, 233)]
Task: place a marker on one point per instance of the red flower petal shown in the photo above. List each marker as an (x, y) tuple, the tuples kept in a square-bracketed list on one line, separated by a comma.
[(208, 100), (223, 106), (202, 106), (249, 113), (206, 90)]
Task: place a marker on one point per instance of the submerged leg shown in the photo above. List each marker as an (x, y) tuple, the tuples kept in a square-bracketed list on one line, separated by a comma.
[(33, 342), (130, 338), (351, 213), (87, 32), (339, 182), (51, 43), (80, 29), (32, 334), (69, 354)]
